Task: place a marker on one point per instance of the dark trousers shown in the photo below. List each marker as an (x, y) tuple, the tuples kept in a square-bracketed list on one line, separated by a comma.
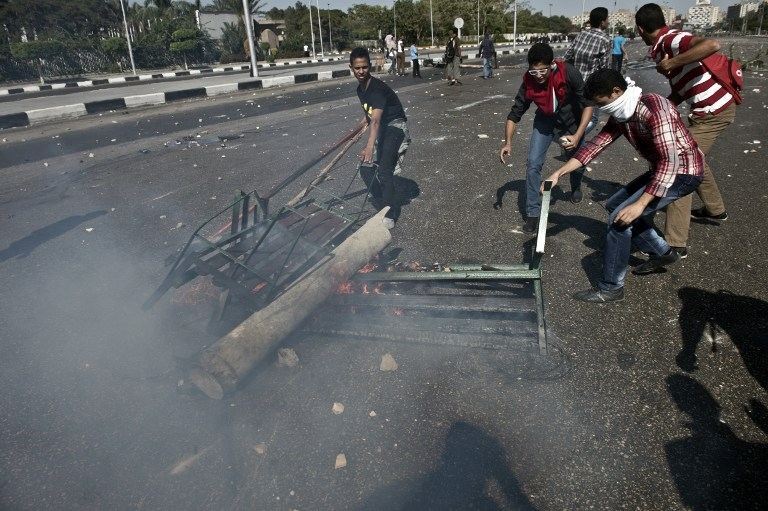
[(415, 65), (382, 186), (617, 61)]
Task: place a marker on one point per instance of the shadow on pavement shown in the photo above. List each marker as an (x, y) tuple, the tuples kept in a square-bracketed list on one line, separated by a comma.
[(712, 468), (26, 245), (743, 318), (472, 473)]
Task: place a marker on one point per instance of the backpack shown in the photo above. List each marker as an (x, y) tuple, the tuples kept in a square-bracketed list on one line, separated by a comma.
[(727, 72), (450, 51)]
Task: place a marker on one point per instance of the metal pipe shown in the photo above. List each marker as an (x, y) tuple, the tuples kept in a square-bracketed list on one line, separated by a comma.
[(128, 38), (431, 23), (448, 275), (312, 31), (330, 32), (249, 31), (319, 26)]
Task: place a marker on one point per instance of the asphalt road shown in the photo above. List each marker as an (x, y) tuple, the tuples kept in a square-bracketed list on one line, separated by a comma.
[(622, 415)]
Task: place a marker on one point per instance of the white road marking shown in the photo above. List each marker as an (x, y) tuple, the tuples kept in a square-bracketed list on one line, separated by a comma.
[(475, 103)]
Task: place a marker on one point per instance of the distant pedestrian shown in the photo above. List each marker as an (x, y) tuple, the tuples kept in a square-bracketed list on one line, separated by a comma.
[(680, 56), (414, 54), (306, 50), (619, 41), (653, 126), (388, 136), (487, 52), (557, 90), (591, 50), (452, 58), (400, 57)]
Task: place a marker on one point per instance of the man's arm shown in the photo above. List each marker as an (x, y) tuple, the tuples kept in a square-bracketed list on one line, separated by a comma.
[(519, 107), (662, 127), (509, 134), (606, 58), (696, 49), (570, 53), (366, 155), (577, 83)]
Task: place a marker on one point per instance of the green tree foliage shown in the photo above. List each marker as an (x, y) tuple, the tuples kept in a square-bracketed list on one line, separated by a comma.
[(186, 42), (36, 52)]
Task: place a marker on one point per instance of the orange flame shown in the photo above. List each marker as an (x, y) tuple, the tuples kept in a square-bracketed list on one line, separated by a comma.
[(345, 288), (397, 311), (368, 268)]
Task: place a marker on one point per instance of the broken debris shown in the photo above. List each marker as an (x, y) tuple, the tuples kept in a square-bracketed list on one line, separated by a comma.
[(260, 449), (286, 357), (337, 408), (388, 363), (341, 461)]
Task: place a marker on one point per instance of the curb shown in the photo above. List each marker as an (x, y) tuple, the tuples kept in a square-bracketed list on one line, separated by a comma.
[(439, 60), (158, 76), (30, 117)]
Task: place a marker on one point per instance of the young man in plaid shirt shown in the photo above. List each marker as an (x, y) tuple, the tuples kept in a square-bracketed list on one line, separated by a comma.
[(653, 126), (712, 109), (591, 50)]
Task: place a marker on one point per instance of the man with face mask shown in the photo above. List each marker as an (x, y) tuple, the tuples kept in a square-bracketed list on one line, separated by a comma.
[(653, 126), (556, 88)]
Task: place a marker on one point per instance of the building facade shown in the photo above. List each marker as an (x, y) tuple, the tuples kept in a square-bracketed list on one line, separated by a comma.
[(703, 14)]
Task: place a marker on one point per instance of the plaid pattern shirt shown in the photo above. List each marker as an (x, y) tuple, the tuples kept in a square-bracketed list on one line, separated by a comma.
[(659, 135), (590, 51)]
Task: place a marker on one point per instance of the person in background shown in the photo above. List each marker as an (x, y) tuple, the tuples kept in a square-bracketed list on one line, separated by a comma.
[(617, 51), (388, 136), (591, 50), (654, 128), (679, 57), (414, 54), (453, 58), (306, 50), (487, 51), (400, 57), (557, 90)]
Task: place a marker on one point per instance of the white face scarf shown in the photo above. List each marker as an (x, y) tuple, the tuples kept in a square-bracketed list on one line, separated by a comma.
[(623, 107)]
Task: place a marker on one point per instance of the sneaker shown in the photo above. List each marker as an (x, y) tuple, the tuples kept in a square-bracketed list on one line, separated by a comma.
[(702, 213), (576, 196), (531, 225), (600, 295), (681, 251), (656, 263), (388, 223), (451, 82)]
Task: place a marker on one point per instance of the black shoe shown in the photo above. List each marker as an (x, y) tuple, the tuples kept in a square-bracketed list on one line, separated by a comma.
[(451, 82), (576, 196), (681, 251), (656, 263), (600, 295), (531, 225), (702, 213)]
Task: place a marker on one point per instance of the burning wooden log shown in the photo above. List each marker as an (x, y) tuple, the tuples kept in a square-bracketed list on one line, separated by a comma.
[(234, 355)]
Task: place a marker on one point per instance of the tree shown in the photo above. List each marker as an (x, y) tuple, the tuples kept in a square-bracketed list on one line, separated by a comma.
[(37, 51), (185, 42)]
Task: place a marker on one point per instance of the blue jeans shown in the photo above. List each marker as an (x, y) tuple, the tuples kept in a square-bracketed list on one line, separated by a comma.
[(619, 240), (543, 134), (487, 68)]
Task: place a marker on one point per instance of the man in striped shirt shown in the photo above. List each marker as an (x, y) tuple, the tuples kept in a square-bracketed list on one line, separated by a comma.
[(653, 126), (712, 109)]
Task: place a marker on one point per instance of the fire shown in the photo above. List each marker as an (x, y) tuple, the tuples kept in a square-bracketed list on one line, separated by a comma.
[(397, 311), (345, 288), (376, 289), (368, 268), (258, 287)]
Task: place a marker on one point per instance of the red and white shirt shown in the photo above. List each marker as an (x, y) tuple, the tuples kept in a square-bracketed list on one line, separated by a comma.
[(691, 82)]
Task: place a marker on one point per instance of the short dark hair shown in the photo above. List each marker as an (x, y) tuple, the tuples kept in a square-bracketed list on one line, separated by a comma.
[(602, 82), (597, 16), (359, 53), (650, 18), (540, 52), (451, 30)]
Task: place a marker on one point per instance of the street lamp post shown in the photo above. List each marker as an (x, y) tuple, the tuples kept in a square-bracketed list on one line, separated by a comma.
[(478, 22), (249, 31), (319, 26), (128, 37), (312, 31), (394, 17), (431, 23), (514, 29), (330, 33)]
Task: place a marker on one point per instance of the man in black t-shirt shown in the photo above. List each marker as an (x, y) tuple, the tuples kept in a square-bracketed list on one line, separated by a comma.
[(388, 136)]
